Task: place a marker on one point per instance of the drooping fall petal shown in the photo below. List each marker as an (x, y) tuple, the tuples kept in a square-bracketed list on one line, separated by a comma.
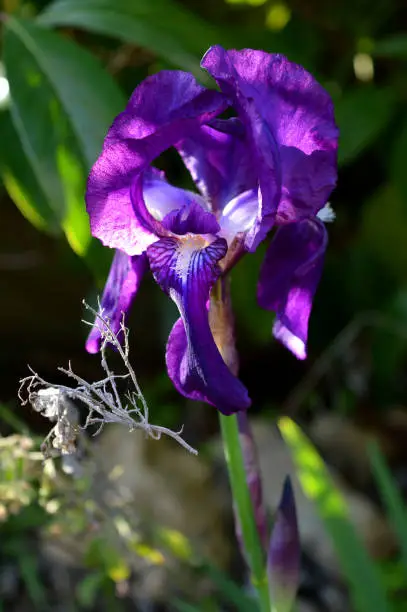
[(122, 284), (289, 278), (187, 268)]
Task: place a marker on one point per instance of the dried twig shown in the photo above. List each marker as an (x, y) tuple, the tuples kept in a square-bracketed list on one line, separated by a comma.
[(102, 398)]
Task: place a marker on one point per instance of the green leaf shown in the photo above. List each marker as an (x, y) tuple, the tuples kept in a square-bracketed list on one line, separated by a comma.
[(385, 234), (231, 592), (398, 160), (62, 102), (87, 94), (391, 498), (181, 606), (162, 26), (362, 576), (393, 47), (31, 577), (361, 115), (89, 588), (21, 181)]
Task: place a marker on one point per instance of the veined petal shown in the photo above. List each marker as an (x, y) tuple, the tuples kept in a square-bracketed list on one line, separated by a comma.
[(239, 215), (186, 211), (191, 219), (283, 107), (289, 277), (219, 159), (122, 284), (307, 183), (186, 268), (161, 198), (161, 111)]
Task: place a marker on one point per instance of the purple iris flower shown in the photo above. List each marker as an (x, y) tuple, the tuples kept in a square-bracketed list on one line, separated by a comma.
[(272, 165)]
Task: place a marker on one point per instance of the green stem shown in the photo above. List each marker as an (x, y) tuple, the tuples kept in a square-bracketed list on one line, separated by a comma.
[(244, 509)]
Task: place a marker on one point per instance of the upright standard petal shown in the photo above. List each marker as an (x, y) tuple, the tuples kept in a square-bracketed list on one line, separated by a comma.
[(162, 111), (290, 121), (121, 287), (219, 159), (239, 215), (289, 277), (186, 268)]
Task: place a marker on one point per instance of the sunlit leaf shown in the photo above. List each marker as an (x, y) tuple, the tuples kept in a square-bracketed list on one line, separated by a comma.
[(87, 94), (62, 102), (21, 181), (151, 555), (363, 578), (118, 570), (176, 542)]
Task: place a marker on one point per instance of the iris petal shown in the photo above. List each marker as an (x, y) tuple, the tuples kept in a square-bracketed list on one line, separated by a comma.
[(161, 198), (219, 159), (281, 106), (186, 269), (122, 284), (239, 215), (162, 110), (289, 278)]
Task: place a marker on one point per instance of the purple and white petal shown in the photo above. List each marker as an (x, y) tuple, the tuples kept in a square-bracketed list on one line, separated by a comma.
[(161, 111), (187, 268), (289, 278), (191, 219), (239, 215), (283, 107), (219, 159), (122, 284), (161, 198)]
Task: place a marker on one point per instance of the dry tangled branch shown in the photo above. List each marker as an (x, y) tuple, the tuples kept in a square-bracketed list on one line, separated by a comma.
[(102, 398)]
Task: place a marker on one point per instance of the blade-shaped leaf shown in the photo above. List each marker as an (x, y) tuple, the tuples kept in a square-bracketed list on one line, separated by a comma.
[(62, 102), (162, 26), (393, 47), (392, 499), (88, 95), (47, 140), (397, 164), (363, 578), (230, 591), (361, 115), (21, 181)]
